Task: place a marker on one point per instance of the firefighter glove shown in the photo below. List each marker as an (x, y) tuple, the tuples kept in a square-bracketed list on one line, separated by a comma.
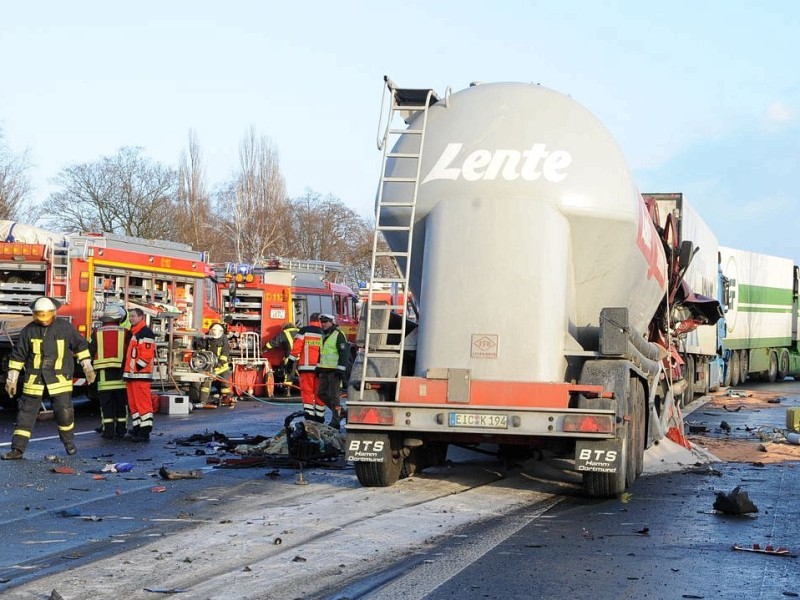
[(11, 383), (88, 370)]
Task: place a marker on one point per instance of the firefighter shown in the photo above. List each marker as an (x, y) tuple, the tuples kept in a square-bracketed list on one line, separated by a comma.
[(137, 373), (216, 342), (45, 351), (304, 358), (333, 361), (107, 346), (285, 342)]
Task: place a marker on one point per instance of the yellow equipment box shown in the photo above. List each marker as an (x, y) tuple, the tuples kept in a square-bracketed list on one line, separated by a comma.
[(793, 418)]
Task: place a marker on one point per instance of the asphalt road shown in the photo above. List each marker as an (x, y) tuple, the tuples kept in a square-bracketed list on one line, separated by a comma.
[(663, 541), (49, 521)]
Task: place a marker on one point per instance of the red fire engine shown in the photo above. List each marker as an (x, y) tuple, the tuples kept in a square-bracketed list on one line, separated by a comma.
[(257, 300), (167, 280)]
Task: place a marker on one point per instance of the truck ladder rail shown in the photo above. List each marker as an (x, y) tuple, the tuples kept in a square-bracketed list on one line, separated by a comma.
[(397, 192), (59, 272)]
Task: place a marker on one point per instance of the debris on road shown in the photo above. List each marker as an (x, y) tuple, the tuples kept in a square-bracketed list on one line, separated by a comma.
[(768, 549), (735, 502), (62, 470), (173, 475), (121, 467)]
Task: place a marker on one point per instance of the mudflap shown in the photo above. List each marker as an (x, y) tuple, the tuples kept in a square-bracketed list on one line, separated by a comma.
[(368, 447), (599, 456)]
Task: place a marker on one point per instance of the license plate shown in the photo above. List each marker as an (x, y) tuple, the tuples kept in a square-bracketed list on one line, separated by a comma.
[(479, 420)]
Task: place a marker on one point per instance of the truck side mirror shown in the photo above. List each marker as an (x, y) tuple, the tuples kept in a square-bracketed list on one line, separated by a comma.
[(687, 252)]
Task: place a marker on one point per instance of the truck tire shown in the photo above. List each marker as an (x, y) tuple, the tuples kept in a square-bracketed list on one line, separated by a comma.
[(609, 485), (783, 364), (430, 454), (772, 372), (734, 368), (385, 474), (638, 422), (689, 376), (744, 365)]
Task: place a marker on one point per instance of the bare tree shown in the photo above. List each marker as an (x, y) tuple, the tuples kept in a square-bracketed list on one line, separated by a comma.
[(327, 229), (254, 203), (14, 184), (196, 222), (127, 193)]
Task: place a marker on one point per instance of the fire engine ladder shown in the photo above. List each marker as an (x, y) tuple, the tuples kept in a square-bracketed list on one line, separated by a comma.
[(59, 272), (395, 211)]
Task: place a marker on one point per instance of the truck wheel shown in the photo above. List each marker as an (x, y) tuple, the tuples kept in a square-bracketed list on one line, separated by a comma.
[(744, 365), (385, 474), (734, 368), (783, 365), (608, 485), (688, 392), (638, 425), (772, 373), (430, 454)]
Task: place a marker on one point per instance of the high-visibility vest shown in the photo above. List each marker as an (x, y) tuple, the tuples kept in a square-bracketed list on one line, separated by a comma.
[(334, 350), (108, 344), (307, 346)]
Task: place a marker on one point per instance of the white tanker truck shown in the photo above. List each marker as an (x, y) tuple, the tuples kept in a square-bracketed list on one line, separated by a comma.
[(548, 297)]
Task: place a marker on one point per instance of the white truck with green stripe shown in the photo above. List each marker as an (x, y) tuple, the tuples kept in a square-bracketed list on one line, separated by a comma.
[(761, 316)]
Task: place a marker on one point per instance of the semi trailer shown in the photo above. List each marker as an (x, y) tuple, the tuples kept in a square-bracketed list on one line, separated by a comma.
[(551, 302)]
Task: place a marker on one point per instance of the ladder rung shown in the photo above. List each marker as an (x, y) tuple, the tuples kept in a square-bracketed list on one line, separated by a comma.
[(410, 107), (393, 228), (389, 253), (389, 280), (386, 331), (406, 131), (398, 204), (399, 179), (380, 379), (386, 306), (402, 155), (381, 354)]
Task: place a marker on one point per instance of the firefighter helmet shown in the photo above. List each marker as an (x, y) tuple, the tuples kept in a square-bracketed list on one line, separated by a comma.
[(113, 313), (44, 310), (215, 331)]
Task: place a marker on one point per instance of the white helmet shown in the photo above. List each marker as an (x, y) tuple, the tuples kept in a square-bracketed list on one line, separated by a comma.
[(44, 310), (42, 304), (215, 331), (113, 313)]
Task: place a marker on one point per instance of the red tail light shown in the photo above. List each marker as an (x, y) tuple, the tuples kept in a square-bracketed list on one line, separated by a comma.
[(589, 424), (370, 415)]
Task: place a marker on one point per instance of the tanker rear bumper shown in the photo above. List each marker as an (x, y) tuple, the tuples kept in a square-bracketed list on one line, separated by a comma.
[(457, 422)]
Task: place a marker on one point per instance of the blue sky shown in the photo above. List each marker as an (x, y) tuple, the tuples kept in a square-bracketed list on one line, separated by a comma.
[(703, 97)]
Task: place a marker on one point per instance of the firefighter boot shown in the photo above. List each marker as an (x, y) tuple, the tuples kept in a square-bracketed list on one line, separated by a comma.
[(144, 435), (69, 448), (338, 415), (13, 454)]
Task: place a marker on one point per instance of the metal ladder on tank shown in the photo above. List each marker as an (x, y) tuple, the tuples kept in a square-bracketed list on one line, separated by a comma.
[(399, 194)]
